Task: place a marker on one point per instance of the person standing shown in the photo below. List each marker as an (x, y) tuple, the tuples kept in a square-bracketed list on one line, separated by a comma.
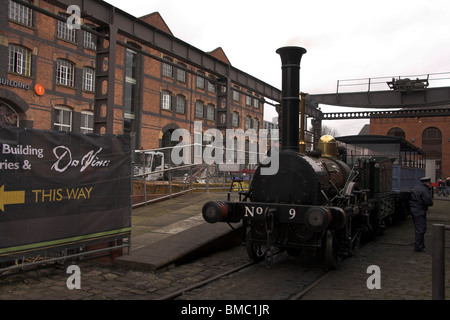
[(419, 203)]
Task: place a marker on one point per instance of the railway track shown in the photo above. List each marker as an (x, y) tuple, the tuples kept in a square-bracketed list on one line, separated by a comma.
[(295, 277)]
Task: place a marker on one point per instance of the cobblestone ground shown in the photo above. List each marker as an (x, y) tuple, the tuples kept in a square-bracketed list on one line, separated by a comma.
[(100, 281), (405, 274)]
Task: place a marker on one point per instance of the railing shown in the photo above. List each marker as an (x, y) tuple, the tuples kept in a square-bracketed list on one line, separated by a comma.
[(438, 261), (389, 82), (187, 178)]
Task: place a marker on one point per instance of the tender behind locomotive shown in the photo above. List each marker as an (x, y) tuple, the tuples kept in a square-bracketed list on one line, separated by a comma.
[(315, 202)]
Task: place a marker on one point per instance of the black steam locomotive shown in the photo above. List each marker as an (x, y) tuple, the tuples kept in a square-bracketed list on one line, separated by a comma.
[(312, 202)]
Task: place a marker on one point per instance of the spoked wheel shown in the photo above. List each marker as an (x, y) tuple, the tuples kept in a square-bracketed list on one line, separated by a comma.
[(332, 255), (256, 250)]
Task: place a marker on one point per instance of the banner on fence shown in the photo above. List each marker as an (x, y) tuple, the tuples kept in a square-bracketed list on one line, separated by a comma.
[(59, 189)]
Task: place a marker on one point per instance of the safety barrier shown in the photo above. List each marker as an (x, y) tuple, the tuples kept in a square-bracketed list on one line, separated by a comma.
[(156, 178), (438, 261)]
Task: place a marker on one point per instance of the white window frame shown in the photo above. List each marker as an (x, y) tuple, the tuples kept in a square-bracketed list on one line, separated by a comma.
[(166, 100), (59, 124), (88, 41), (88, 79), (85, 116), (63, 31), (19, 60), (21, 14), (65, 72)]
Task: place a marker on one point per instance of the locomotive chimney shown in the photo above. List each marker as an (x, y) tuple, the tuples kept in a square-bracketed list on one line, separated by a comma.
[(290, 103)]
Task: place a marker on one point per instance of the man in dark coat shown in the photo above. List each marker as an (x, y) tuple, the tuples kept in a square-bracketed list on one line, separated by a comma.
[(419, 203)]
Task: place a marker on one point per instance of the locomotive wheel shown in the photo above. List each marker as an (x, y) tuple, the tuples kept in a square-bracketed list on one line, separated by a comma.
[(331, 255), (256, 250)]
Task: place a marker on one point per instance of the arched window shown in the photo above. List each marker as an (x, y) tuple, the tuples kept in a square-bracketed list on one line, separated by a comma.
[(65, 72), (432, 143), (19, 60), (396, 132), (8, 116)]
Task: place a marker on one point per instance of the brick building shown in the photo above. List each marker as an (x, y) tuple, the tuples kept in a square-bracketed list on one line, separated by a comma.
[(51, 79), (430, 133)]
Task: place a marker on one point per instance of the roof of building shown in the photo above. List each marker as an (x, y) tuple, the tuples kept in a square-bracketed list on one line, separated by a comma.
[(220, 54), (156, 20)]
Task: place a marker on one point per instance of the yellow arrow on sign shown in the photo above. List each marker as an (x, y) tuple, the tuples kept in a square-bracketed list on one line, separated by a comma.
[(10, 197)]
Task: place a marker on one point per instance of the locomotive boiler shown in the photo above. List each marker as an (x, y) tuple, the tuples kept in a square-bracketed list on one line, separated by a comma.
[(311, 202)]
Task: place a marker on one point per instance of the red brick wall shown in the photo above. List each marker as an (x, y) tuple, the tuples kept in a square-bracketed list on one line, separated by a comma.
[(46, 48), (413, 128)]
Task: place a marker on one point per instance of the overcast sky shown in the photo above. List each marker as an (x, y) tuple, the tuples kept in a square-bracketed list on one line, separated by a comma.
[(345, 39)]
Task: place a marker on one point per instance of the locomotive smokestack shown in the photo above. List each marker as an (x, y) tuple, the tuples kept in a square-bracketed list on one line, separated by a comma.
[(290, 104)]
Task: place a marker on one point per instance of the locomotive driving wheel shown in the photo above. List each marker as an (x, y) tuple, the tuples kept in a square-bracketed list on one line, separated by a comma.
[(332, 255)]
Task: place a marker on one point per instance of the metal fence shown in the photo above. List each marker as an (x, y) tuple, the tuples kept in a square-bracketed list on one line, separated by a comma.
[(157, 178)]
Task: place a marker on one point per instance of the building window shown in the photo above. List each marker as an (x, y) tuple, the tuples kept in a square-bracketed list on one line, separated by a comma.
[(65, 72), (200, 82), (167, 68), (19, 60), (211, 87), (181, 104), (130, 88), (89, 39), (248, 122), (166, 100), (87, 121), (432, 143), (21, 14), (181, 73), (210, 112), (63, 119), (235, 95), (63, 31), (248, 100), (396, 132), (255, 124), (199, 109), (235, 119), (8, 116), (256, 103), (88, 79)]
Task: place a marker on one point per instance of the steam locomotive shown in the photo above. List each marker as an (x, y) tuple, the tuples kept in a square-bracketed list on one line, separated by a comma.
[(313, 201)]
